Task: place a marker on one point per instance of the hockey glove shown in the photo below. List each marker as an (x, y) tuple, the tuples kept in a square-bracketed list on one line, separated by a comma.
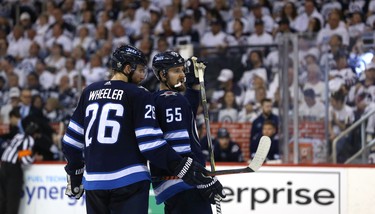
[(192, 172), (191, 73), (74, 188), (212, 191)]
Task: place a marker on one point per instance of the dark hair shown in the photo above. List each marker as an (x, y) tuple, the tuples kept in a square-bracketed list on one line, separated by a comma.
[(15, 112), (224, 105), (294, 10), (338, 96), (223, 132), (265, 100), (269, 122), (317, 25)]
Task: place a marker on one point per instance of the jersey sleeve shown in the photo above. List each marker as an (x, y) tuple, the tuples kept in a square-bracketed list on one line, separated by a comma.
[(174, 115), (149, 135), (73, 141)]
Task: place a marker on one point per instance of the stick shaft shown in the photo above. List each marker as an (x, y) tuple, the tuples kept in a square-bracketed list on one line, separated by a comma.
[(207, 123), (201, 66)]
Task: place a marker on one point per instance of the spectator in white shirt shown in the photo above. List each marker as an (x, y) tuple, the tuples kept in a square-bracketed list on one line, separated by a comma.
[(101, 36), (174, 19), (79, 56), (119, 35), (304, 18), (257, 14), (223, 8), (88, 21), (314, 81), (46, 78), (311, 109), (214, 38), (56, 60), (343, 71), (42, 24), (14, 100), (253, 63), (260, 36), (356, 26), (329, 6), (143, 13), (18, 43), (228, 111), (258, 80), (237, 15), (130, 22), (69, 71), (59, 38), (365, 87), (104, 19), (29, 62), (289, 11), (83, 38), (341, 116), (240, 38), (94, 71), (333, 27), (226, 83)]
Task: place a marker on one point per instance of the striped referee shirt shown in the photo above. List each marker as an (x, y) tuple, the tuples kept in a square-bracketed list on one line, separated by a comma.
[(17, 148)]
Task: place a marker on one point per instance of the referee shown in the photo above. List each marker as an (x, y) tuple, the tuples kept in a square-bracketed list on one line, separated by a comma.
[(17, 153)]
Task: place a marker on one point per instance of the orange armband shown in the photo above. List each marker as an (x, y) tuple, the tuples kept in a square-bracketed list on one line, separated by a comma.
[(24, 153)]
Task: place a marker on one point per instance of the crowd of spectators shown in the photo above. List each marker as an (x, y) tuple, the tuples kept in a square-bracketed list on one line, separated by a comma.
[(50, 50)]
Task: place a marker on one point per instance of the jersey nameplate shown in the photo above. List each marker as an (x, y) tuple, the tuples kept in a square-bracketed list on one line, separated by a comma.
[(106, 93)]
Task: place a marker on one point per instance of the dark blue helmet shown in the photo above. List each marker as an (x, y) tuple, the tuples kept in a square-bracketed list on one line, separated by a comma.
[(166, 60), (127, 55)]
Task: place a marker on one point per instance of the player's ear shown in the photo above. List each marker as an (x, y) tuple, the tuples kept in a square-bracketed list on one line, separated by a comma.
[(127, 69), (162, 75)]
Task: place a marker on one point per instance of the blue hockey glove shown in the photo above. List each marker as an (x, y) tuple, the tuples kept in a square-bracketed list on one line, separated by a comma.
[(74, 188), (191, 172), (212, 191)]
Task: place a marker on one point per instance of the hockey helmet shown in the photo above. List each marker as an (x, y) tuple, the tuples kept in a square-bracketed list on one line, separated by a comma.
[(166, 60), (30, 125), (127, 55)]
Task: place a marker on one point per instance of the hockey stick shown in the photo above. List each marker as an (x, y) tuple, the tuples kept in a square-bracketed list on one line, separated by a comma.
[(255, 164), (258, 160), (199, 67)]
